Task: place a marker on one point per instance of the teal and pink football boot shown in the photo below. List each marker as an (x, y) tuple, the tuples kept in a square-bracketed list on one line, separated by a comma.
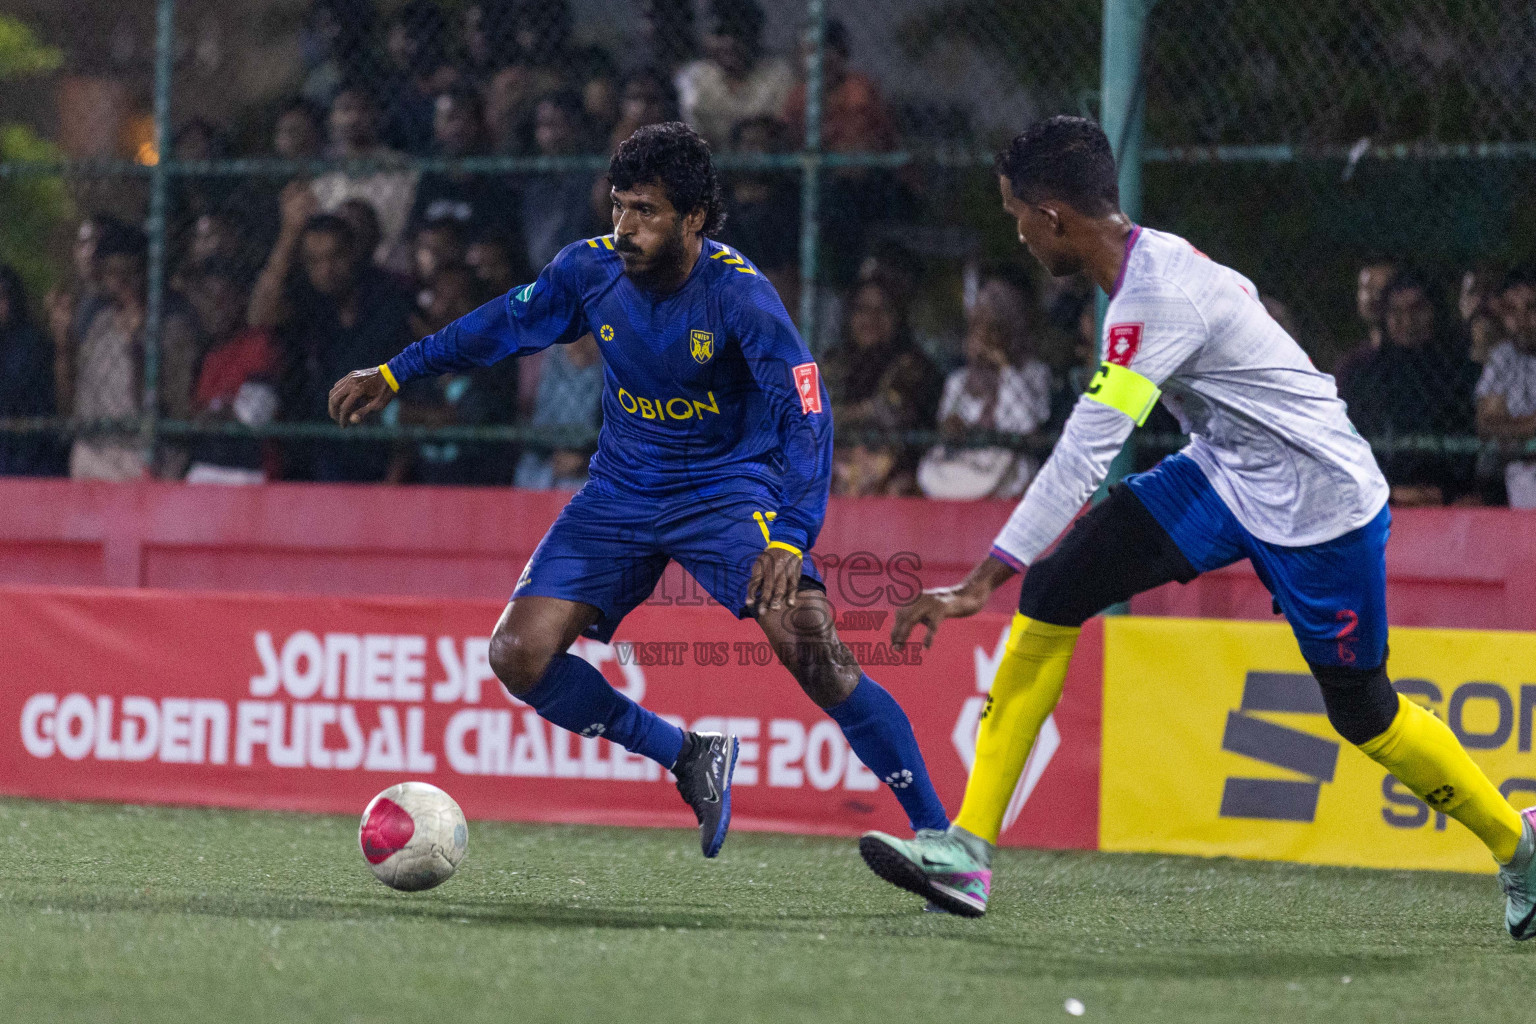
[(1518, 879), (952, 870)]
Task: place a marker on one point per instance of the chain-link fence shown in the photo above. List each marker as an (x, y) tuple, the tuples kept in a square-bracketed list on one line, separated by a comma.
[(217, 209), (1327, 149)]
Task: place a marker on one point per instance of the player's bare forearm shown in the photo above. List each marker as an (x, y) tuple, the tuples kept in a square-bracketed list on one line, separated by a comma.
[(957, 602), (989, 574)]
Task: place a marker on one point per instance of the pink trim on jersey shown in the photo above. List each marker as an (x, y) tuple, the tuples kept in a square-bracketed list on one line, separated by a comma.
[(1130, 243), (1009, 560)]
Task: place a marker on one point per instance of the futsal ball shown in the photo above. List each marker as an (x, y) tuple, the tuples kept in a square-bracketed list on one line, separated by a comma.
[(413, 836)]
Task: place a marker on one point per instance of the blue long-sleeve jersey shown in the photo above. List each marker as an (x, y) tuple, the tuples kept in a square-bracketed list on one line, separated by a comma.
[(708, 390)]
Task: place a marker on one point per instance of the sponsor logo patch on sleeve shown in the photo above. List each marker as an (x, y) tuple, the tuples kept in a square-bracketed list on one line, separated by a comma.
[(808, 383), (520, 299), (1122, 341)]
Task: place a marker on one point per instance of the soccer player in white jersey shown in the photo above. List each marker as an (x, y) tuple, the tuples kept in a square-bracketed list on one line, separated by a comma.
[(1273, 473)]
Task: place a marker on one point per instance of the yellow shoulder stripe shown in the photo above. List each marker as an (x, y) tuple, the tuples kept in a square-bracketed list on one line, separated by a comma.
[(733, 258), (1123, 389)]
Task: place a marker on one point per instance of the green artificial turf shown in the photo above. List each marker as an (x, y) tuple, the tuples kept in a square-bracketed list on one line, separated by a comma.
[(114, 913)]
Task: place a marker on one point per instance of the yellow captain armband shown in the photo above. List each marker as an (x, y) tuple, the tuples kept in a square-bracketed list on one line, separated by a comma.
[(389, 377), (786, 547), (1126, 390)]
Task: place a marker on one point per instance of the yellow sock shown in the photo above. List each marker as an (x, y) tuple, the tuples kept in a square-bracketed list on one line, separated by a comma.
[(1026, 688), (1427, 758)]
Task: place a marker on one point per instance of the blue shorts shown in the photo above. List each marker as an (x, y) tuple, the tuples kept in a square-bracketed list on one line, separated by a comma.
[(609, 551), (1334, 594)]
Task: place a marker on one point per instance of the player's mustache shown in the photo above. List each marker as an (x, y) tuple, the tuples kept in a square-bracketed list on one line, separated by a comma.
[(623, 245)]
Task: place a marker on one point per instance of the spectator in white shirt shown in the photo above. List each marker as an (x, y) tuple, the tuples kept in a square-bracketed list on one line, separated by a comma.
[(1002, 387), (734, 81), (354, 134)]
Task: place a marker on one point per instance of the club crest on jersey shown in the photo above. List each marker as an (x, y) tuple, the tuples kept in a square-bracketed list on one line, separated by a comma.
[(702, 344), (808, 384), (1122, 341)]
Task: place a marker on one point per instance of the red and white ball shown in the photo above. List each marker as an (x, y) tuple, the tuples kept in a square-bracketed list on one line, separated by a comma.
[(413, 836)]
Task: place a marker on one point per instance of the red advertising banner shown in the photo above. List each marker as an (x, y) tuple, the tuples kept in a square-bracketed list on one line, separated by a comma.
[(316, 704)]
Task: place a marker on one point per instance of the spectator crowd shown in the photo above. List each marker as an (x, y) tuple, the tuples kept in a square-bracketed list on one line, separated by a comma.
[(276, 292)]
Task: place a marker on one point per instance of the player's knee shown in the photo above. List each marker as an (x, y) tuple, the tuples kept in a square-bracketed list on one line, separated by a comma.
[(825, 670), (828, 686), (1050, 594), (1361, 703), (519, 660)]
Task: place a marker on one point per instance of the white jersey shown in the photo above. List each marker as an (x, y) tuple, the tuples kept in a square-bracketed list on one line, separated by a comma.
[(1266, 426)]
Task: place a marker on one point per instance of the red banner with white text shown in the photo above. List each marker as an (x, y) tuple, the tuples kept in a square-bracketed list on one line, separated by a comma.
[(316, 704)]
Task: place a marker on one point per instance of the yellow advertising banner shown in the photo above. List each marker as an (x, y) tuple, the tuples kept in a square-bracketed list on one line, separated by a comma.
[(1216, 744)]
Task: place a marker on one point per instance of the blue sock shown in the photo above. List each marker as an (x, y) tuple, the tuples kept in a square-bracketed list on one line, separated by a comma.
[(879, 732), (575, 696)]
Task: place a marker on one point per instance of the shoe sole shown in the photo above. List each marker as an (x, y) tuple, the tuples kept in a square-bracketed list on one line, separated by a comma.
[(903, 874), (712, 849)]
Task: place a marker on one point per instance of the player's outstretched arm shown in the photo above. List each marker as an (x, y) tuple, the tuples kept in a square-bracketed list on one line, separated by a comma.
[(1094, 433), (967, 598), (359, 395), (527, 319)]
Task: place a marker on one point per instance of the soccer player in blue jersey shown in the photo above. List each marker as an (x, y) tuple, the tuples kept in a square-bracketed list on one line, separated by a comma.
[(715, 451)]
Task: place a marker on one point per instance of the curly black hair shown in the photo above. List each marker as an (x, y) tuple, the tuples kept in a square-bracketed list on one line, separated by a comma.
[(1065, 158), (677, 157)]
